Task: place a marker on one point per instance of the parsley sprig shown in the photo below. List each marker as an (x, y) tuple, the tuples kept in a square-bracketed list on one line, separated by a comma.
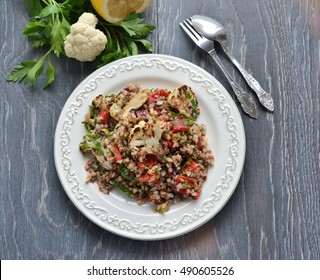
[(49, 25), (125, 38)]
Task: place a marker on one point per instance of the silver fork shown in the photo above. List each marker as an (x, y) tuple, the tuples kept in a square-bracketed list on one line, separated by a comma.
[(247, 103)]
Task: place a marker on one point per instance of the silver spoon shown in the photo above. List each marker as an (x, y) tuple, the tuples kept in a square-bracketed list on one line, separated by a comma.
[(213, 30)]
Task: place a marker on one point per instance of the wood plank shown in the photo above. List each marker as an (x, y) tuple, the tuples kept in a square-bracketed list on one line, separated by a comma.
[(275, 210)]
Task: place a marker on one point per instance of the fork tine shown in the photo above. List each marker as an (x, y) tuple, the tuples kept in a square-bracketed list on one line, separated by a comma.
[(187, 27), (183, 25), (189, 24)]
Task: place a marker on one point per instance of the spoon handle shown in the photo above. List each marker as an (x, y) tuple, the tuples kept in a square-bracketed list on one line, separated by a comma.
[(263, 96), (247, 103)]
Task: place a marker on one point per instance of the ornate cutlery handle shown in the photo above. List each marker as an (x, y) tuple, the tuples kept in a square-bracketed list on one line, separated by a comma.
[(263, 96), (247, 103)]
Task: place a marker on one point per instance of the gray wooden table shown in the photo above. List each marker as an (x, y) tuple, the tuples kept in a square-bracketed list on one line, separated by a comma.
[(275, 210)]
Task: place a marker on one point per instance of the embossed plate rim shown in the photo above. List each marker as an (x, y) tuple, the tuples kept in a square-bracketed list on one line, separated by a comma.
[(118, 216)]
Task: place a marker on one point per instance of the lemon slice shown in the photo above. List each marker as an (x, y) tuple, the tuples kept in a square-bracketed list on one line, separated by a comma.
[(116, 10)]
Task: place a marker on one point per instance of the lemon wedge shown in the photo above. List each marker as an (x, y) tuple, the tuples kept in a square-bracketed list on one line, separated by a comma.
[(116, 10)]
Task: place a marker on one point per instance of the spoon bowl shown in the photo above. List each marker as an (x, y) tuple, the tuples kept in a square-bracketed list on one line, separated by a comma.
[(209, 28)]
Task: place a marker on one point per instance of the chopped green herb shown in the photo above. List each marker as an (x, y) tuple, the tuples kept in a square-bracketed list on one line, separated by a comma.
[(124, 172), (111, 152), (123, 188), (91, 141), (87, 126), (97, 148), (93, 112)]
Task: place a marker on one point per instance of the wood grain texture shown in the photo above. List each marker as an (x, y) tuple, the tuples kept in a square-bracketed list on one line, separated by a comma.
[(275, 210)]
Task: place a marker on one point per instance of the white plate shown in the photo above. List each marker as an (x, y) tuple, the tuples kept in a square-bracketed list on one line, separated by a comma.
[(117, 213)]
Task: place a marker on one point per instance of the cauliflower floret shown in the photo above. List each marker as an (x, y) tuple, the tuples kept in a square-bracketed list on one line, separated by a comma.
[(145, 137), (115, 111), (185, 101), (137, 137), (84, 41), (134, 103)]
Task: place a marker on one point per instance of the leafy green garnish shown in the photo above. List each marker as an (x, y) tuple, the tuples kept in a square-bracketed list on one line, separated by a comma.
[(194, 109), (34, 7), (49, 25), (134, 26), (123, 188), (86, 126), (124, 172), (191, 119), (93, 112), (91, 142), (30, 70), (125, 38)]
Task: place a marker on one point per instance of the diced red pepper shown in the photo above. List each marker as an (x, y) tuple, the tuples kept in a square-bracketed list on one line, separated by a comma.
[(190, 165), (142, 165), (193, 165), (104, 115), (152, 98), (147, 178), (182, 179), (179, 128), (162, 92), (117, 154), (151, 160), (170, 144), (155, 95), (179, 125)]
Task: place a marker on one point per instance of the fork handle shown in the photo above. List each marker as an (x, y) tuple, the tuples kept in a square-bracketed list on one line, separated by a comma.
[(263, 96), (247, 103)]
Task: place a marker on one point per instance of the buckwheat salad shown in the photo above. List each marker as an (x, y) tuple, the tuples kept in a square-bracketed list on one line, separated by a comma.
[(146, 142)]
